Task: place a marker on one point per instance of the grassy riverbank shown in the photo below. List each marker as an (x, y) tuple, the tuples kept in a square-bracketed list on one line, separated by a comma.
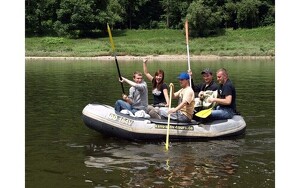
[(241, 42)]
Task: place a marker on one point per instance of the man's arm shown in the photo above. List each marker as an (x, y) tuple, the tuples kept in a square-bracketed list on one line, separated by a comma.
[(128, 81), (226, 101), (181, 105)]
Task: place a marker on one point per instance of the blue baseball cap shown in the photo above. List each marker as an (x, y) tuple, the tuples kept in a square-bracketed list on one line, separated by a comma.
[(184, 76)]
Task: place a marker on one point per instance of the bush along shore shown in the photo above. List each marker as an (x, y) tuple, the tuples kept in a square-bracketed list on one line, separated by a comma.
[(160, 43)]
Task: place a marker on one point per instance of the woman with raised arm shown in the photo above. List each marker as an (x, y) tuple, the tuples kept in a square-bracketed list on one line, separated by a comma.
[(159, 90)]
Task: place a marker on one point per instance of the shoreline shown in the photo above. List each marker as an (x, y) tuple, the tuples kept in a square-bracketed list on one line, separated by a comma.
[(154, 57)]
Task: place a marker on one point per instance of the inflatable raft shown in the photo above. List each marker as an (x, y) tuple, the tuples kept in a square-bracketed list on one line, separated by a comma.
[(107, 121)]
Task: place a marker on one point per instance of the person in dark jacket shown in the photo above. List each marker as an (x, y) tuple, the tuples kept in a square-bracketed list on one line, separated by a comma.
[(207, 84)]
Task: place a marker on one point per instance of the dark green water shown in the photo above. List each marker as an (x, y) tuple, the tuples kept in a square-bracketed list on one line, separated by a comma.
[(62, 152)]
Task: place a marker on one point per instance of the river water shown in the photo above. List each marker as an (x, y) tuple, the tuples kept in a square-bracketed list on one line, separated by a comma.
[(62, 152)]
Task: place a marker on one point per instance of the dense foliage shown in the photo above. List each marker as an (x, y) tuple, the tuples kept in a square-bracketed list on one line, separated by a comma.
[(88, 18)]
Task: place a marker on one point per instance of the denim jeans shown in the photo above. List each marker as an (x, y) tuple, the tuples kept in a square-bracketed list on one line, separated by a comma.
[(221, 113), (120, 105)]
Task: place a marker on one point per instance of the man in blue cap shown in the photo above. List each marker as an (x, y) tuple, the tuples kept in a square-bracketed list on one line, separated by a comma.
[(183, 112)]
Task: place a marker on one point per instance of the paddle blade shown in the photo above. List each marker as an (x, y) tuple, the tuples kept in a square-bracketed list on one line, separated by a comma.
[(186, 25), (204, 113), (110, 38)]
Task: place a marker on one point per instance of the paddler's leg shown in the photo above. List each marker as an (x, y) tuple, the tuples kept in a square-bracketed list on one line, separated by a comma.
[(221, 113), (120, 105), (153, 112)]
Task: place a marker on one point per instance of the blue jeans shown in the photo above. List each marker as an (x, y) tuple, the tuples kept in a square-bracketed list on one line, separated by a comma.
[(221, 113), (120, 105)]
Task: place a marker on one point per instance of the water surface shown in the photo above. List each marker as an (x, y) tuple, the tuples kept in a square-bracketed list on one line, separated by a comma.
[(62, 152)]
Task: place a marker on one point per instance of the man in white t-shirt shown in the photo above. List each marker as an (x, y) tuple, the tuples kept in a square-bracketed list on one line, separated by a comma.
[(183, 112)]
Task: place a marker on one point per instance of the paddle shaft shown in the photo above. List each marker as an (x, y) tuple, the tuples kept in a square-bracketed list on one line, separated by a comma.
[(116, 60), (187, 47), (169, 117)]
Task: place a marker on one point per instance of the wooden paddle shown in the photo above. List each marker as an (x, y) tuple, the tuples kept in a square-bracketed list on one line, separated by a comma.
[(187, 46), (113, 48), (204, 113), (169, 116)]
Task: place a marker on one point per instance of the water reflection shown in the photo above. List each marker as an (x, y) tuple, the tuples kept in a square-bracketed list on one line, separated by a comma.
[(58, 141), (186, 164)]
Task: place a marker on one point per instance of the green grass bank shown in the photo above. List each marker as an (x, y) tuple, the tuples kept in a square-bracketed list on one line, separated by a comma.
[(241, 42)]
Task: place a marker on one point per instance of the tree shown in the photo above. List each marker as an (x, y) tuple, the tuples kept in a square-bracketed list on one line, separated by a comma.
[(114, 12), (131, 7), (40, 16), (266, 12), (230, 14), (81, 18), (202, 20), (74, 17), (248, 13), (86, 18), (174, 12)]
